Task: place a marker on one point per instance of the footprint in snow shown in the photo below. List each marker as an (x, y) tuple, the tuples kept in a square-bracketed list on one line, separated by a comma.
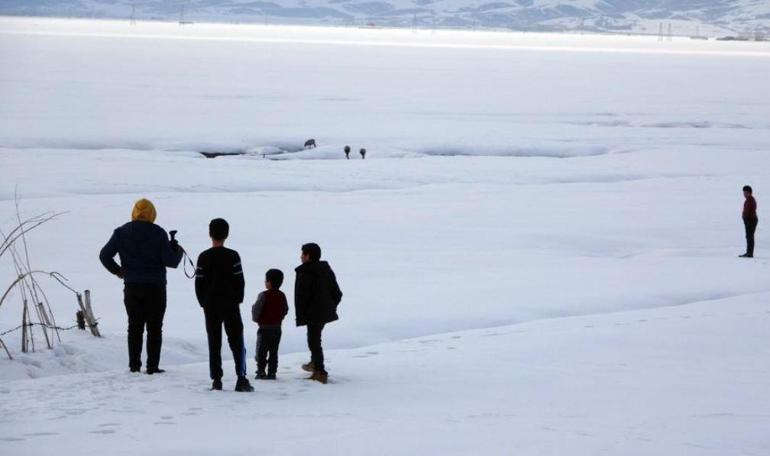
[(102, 431), (41, 434), (12, 439), (366, 354)]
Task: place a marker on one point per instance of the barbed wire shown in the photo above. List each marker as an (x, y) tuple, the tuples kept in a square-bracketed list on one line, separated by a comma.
[(68, 328)]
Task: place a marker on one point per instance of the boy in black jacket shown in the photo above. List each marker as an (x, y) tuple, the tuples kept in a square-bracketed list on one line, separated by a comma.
[(219, 288), (316, 297), (268, 312)]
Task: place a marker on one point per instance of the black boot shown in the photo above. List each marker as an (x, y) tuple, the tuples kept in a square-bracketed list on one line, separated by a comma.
[(216, 385), (155, 371), (243, 385)]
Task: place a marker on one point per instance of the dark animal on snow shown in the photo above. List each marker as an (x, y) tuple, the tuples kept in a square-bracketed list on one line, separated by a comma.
[(363, 154), (310, 143), (347, 152)]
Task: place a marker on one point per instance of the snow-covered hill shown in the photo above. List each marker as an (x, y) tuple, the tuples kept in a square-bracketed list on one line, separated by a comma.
[(686, 17)]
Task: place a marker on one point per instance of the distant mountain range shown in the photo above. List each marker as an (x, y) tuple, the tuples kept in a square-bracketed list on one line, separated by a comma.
[(683, 17)]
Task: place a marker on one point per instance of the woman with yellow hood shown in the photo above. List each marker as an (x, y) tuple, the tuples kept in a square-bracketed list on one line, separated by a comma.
[(145, 252)]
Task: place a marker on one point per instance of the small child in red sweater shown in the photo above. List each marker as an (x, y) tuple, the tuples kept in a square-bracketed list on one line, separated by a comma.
[(268, 312)]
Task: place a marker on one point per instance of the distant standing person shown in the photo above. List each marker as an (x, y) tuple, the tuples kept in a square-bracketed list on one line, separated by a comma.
[(316, 297), (750, 220), (363, 154), (347, 152), (145, 252), (219, 286)]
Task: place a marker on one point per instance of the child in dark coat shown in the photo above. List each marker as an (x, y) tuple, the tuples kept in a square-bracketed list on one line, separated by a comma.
[(316, 297), (268, 312)]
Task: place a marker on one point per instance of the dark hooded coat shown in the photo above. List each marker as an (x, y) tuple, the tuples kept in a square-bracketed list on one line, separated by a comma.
[(316, 293)]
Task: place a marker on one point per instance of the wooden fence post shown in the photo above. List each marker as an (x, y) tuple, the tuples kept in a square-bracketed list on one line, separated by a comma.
[(24, 328), (90, 316)]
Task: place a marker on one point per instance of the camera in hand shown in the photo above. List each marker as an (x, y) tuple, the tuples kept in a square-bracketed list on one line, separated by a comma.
[(174, 242)]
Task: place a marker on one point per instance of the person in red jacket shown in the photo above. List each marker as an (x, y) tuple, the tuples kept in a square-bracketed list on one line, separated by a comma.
[(268, 312), (750, 220)]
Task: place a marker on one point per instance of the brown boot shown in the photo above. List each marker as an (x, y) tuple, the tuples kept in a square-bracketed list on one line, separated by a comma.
[(308, 367), (321, 377)]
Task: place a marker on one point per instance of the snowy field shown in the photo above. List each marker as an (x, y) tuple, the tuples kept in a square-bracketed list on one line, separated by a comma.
[(539, 254)]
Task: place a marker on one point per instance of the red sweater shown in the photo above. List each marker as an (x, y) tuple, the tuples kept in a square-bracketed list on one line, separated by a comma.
[(270, 309), (750, 208)]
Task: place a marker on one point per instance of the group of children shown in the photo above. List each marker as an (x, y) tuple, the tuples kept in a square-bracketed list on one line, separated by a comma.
[(219, 287)]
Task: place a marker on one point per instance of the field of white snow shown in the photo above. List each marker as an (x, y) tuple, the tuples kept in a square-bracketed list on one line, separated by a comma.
[(538, 255)]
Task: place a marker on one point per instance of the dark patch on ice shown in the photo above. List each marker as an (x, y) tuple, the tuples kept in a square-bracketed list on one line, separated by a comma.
[(523, 152), (229, 97), (221, 154), (265, 151), (676, 124), (338, 99), (695, 124)]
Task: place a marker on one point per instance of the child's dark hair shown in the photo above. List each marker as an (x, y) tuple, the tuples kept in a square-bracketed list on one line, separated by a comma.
[(219, 229), (313, 250), (747, 188), (275, 277)]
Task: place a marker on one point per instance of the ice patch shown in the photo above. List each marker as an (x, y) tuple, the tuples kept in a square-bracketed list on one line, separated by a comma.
[(519, 151)]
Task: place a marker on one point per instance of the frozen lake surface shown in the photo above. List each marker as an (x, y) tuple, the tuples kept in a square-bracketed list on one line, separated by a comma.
[(539, 252)]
